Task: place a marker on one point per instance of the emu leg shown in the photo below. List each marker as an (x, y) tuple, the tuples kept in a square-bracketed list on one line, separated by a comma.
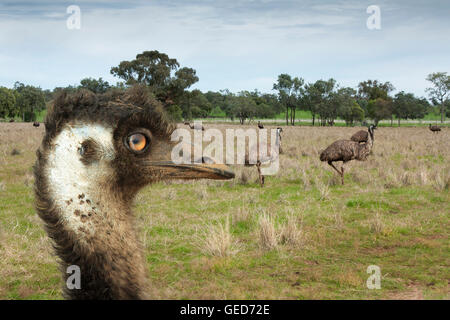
[(331, 164), (342, 174), (261, 177)]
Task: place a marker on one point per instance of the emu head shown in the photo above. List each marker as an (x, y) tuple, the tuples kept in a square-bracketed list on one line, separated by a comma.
[(120, 141), (279, 131)]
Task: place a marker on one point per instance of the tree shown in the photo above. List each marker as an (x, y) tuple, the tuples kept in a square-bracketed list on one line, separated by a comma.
[(419, 109), (348, 108), (195, 105), (372, 90), (243, 106), (407, 106), (373, 96), (162, 74), (379, 109), (48, 94), (69, 90), (175, 112), (320, 98), (267, 105), (357, 114), (447, 107), (290, 93), (441, 90), (7, 103), (29, 100), (96, 86), (401, 105)]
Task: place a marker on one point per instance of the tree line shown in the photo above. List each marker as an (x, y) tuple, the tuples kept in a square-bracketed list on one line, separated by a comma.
[(326, 100), (22, 100)]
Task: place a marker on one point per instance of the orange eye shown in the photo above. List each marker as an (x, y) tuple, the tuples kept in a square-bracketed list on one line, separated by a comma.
[(137, 142)]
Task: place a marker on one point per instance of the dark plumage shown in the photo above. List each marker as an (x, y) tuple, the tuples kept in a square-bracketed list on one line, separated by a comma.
[(11, 120), (36, 124), (347, 150), (86, 177), (195, 126), (260, 125), (434, 128), (361, 135)]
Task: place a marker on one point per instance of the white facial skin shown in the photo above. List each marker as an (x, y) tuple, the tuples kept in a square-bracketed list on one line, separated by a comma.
[(75, 186)]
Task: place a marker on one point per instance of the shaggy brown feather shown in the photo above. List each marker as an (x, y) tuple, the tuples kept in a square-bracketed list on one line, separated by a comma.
[(434, 128), (347, 150), (107, 273), (111, 259), (360, 136)]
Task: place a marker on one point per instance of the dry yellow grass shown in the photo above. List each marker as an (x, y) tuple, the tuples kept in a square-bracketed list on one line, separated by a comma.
[(393, 211)]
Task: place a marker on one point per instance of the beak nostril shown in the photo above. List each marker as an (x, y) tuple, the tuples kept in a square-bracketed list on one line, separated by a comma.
[(207, 160)]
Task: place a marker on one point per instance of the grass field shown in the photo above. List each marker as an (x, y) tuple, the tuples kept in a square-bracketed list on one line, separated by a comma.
[(302, 236), (301, 114)]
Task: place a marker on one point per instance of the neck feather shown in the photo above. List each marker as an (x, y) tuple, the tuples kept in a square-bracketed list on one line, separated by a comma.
[(90, 222), (96, 233)]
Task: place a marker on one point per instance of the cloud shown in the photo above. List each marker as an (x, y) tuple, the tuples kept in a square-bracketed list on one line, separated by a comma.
[(240, 44)]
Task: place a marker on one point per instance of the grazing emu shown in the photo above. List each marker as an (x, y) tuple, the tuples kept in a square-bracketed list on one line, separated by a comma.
[(36, 124), (11, 120), (434, 128), (195, 126), (362, 135), (347, 150), (260, 125), (271, 155), (97, 153)]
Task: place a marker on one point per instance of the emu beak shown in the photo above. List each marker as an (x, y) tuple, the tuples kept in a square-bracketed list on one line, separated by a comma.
[(171, 170), (196, 168)]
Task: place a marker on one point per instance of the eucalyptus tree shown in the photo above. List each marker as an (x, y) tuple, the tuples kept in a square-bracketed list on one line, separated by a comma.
[(440, 91), (94, 85), (29, 100), (290, 93), (407, 106), (7, 103), (320, 99), (162, 74)]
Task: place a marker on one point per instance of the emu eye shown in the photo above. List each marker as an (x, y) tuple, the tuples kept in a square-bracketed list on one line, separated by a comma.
[(137, 142)]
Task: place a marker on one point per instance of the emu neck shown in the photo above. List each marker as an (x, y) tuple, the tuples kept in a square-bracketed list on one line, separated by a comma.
[(88, 216), (365, 148), (100, 237)]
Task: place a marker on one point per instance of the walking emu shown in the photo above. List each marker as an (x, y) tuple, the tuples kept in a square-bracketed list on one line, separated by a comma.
[(347, 150), (434, 128), (97, 153), (271, 154), (260, 125), (362, 135)]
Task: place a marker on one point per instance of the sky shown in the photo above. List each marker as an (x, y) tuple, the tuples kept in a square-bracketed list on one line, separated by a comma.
[(232, 44)]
